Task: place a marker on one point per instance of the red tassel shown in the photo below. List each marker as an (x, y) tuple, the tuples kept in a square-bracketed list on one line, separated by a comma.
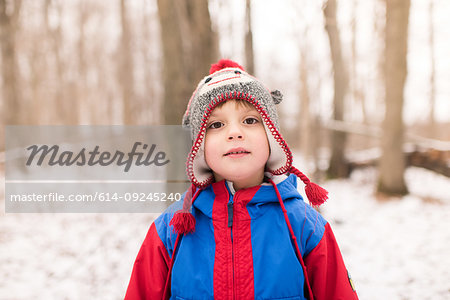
[(183, 222), (316, 194)]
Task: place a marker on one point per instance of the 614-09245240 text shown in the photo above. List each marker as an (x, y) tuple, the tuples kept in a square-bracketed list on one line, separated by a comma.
[(97, 196)]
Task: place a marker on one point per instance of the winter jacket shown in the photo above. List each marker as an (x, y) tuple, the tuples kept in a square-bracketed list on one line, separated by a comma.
[(242, 249)]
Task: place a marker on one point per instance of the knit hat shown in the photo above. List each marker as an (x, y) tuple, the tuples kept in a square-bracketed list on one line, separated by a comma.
[(228, 81)]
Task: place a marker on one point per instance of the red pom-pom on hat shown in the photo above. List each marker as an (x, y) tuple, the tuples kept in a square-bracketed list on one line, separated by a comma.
[(224, 63)]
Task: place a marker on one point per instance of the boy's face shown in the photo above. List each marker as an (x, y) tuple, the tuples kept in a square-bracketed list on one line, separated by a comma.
[(236, 145)]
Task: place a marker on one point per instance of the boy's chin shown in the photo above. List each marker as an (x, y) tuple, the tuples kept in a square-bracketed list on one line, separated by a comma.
[(241, 182)]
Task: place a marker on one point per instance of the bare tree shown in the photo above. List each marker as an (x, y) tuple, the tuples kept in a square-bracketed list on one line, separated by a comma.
[(189, 47), (9, 21), (249, 60), (379, 29), (35, 84), (309, 126), (152, 104), (126, 75), (203, 40), (307, 132), (66, 109), (81, 85), (392, 162), (357, 93), (433, 68), (175, 81), (338, 166)]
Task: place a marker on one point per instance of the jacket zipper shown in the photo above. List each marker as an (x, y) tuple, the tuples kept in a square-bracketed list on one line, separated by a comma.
[(230, 208), (230, 213)]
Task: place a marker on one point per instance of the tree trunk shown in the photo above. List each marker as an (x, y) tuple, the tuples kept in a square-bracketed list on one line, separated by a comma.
[(88, 108), (152, 102), (175, 81), (204, 48), (66, 108), (189, 47), (305, 112), (10, 71), (249, 60), (379, 28), (338, 166), (356, 90), (126, 70), (432, 71), (392, 162)]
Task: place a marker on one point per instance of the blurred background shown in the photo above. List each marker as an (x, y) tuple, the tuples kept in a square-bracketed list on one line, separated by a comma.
[(365, 87), (355, 76)]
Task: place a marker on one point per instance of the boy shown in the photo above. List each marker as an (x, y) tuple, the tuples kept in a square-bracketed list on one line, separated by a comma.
[(244, 231)]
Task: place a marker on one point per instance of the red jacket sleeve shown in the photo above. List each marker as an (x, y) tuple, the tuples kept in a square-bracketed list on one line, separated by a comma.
[(327, 274), (150, 269)]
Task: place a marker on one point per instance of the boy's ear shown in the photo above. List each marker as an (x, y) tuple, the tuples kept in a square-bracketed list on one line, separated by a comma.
[(277, 96)]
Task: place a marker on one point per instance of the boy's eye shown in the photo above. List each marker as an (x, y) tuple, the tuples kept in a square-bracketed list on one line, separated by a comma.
[(215, 125), (251, 120)]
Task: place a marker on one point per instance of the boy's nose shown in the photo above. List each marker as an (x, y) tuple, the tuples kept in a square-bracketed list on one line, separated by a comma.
[(235, 133), (235, 136)]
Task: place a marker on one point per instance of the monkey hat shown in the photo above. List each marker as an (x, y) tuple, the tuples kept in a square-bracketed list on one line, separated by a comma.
[(228, 81)]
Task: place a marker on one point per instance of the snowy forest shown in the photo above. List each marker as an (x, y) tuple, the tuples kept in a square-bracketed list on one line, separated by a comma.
[(366, 111)]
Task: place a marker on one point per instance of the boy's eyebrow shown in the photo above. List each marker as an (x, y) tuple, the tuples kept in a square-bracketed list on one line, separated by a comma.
[(213, 114), (251, 109)]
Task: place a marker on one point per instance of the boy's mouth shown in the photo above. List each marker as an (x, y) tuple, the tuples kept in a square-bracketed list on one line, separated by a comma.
[(236, 152)]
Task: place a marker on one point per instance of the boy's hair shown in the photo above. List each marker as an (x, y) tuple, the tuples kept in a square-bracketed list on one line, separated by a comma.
[(239, 102), (228, 81)]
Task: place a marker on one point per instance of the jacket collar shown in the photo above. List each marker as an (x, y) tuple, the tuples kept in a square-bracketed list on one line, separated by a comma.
[(264, 193)]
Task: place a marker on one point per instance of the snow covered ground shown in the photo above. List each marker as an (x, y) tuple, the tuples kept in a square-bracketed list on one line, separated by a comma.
[(394, 249)]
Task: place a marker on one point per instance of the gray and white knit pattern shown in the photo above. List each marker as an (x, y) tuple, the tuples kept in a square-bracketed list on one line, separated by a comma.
[(201, 102), (233, 83)]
